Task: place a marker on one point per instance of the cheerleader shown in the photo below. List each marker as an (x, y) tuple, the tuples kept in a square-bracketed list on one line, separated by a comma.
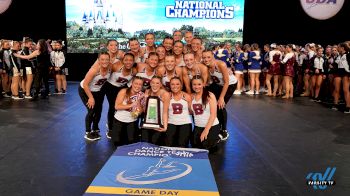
[(169, 71), (122, 73), (177, 35), (247, 49), (92, 96), (206, 124), (188, 40), (128, 106), (318, 76), (161, 52), (154, 135), (196, 48), (275, 57), (178, 52), (239, 67), (168, 43), (288, 71), (136, 50), (191, 69), (342, 76), (147, 70), (180, 121), (308, 69), (223, 85), (150, 45), (254, 69)]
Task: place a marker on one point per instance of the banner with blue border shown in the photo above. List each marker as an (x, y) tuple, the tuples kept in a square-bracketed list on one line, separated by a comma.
[(147, 169)]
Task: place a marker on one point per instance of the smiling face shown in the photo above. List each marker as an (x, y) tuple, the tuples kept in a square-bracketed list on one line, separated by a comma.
[(149, 40), (170, 62), (197, 85), (134, 46), (196, 45), (207, 58), (188, 37), (161, 52), (152, 61), (168, 44), (175, 85), (178, 48), (136, 85), (177, 35), (189, 60), (156, 84), (103, 59), (112, 46), (128, 61)]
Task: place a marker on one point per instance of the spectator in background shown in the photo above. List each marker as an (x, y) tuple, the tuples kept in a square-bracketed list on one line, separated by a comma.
[(42, 69)]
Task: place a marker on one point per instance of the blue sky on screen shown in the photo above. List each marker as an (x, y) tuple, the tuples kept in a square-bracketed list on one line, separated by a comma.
[(135, 15)]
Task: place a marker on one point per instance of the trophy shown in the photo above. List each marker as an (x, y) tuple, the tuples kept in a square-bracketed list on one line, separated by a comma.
[(136, 110), (152, 119)]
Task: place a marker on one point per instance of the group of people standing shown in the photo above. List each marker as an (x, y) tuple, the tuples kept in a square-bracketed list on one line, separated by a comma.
[(192, 85), (25, 68), (311, 71)]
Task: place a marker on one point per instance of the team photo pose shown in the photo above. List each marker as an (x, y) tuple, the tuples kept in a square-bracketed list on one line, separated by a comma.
[(92, 96), (122, 73), (192, 69), (157, 136), (148, 69), (180, 121), (222, 85), (206, 124), (169, 71), (128, 106)]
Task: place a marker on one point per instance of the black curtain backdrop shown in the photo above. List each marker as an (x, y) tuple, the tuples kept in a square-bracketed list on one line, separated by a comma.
[(268, 21)]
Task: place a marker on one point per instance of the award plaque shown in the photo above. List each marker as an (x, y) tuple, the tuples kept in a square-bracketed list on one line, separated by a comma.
[(152, 119)]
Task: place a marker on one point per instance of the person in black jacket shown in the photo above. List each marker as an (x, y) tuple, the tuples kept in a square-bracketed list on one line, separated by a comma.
[(42, 69)]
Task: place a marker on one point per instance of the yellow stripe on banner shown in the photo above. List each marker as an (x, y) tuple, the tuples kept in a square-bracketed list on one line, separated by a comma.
[(138, 191)]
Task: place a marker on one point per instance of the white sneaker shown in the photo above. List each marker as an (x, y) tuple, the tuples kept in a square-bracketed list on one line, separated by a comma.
[(250, 93), (28, 97), (237, 92), (17, 98)]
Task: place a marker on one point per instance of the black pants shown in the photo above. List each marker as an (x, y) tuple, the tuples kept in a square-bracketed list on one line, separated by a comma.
[(178, 135), (93, 115), (152, 136), (124, 133), (41, 75), (222, 113), (111, 94), (210, 142)]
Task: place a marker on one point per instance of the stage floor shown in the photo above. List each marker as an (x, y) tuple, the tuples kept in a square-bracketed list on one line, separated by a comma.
[(273, 145)]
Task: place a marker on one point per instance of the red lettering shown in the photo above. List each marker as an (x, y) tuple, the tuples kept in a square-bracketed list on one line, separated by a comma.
[(177, 108), (197, 109), (215, 79), (122, 80), (100, 82)]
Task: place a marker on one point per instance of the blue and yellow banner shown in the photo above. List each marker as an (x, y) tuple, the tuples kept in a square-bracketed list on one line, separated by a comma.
[(146, 169)]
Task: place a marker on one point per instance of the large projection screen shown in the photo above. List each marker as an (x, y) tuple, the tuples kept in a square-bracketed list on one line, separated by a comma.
[(90, 23)]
